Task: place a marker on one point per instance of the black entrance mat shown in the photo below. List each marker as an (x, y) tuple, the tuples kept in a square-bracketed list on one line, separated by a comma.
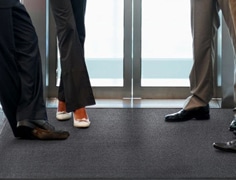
[(124, 144)]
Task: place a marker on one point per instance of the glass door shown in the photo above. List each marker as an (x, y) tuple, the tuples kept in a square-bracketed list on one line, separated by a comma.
[(108, 47), (134, 49), (162, 49)]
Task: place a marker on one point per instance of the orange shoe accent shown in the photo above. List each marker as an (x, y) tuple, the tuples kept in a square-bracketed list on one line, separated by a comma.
[(61, 114), (80, 113), (80, 118), (61, 106)]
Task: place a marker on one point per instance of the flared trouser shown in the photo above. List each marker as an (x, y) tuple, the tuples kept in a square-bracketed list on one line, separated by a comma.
[(204, 24), (21, 90), (75, 88)]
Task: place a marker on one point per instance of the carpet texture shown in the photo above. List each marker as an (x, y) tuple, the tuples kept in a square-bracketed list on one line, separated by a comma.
[(124, 144)]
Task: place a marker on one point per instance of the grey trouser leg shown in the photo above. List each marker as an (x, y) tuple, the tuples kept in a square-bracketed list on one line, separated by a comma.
[(205, 21)]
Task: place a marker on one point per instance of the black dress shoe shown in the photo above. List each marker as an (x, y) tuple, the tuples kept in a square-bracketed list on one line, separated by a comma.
[(200, 113), (232, 126), (229, 146), (40, 129)]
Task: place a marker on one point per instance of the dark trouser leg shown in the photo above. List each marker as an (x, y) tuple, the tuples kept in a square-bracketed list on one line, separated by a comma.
[(28, 60), (20, 70), (77, 89), (79, 8), (9, 81)]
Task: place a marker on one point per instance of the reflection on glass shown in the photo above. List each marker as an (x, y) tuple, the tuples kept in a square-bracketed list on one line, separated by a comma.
[(104, 42), (166, 43)]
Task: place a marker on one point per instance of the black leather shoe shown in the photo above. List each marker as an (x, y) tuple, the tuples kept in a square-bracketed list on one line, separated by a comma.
[(232, 126), (40, 129), (229, 146), (200, 113)]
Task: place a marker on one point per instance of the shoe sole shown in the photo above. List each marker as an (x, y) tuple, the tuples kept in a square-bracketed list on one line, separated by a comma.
[(232, 129), (80, 125), (223, 149), (205, 117)]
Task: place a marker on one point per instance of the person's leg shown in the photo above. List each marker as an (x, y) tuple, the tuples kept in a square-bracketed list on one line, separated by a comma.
[(27, 57), (79, 9), (9, 81), (229, 12), (22, 95), (77, 89), (204, 23), (75, 80), (62, 113)]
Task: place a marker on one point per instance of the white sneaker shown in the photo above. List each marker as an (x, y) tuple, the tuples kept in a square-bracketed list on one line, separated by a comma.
[(81, 123), (63, 115)]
